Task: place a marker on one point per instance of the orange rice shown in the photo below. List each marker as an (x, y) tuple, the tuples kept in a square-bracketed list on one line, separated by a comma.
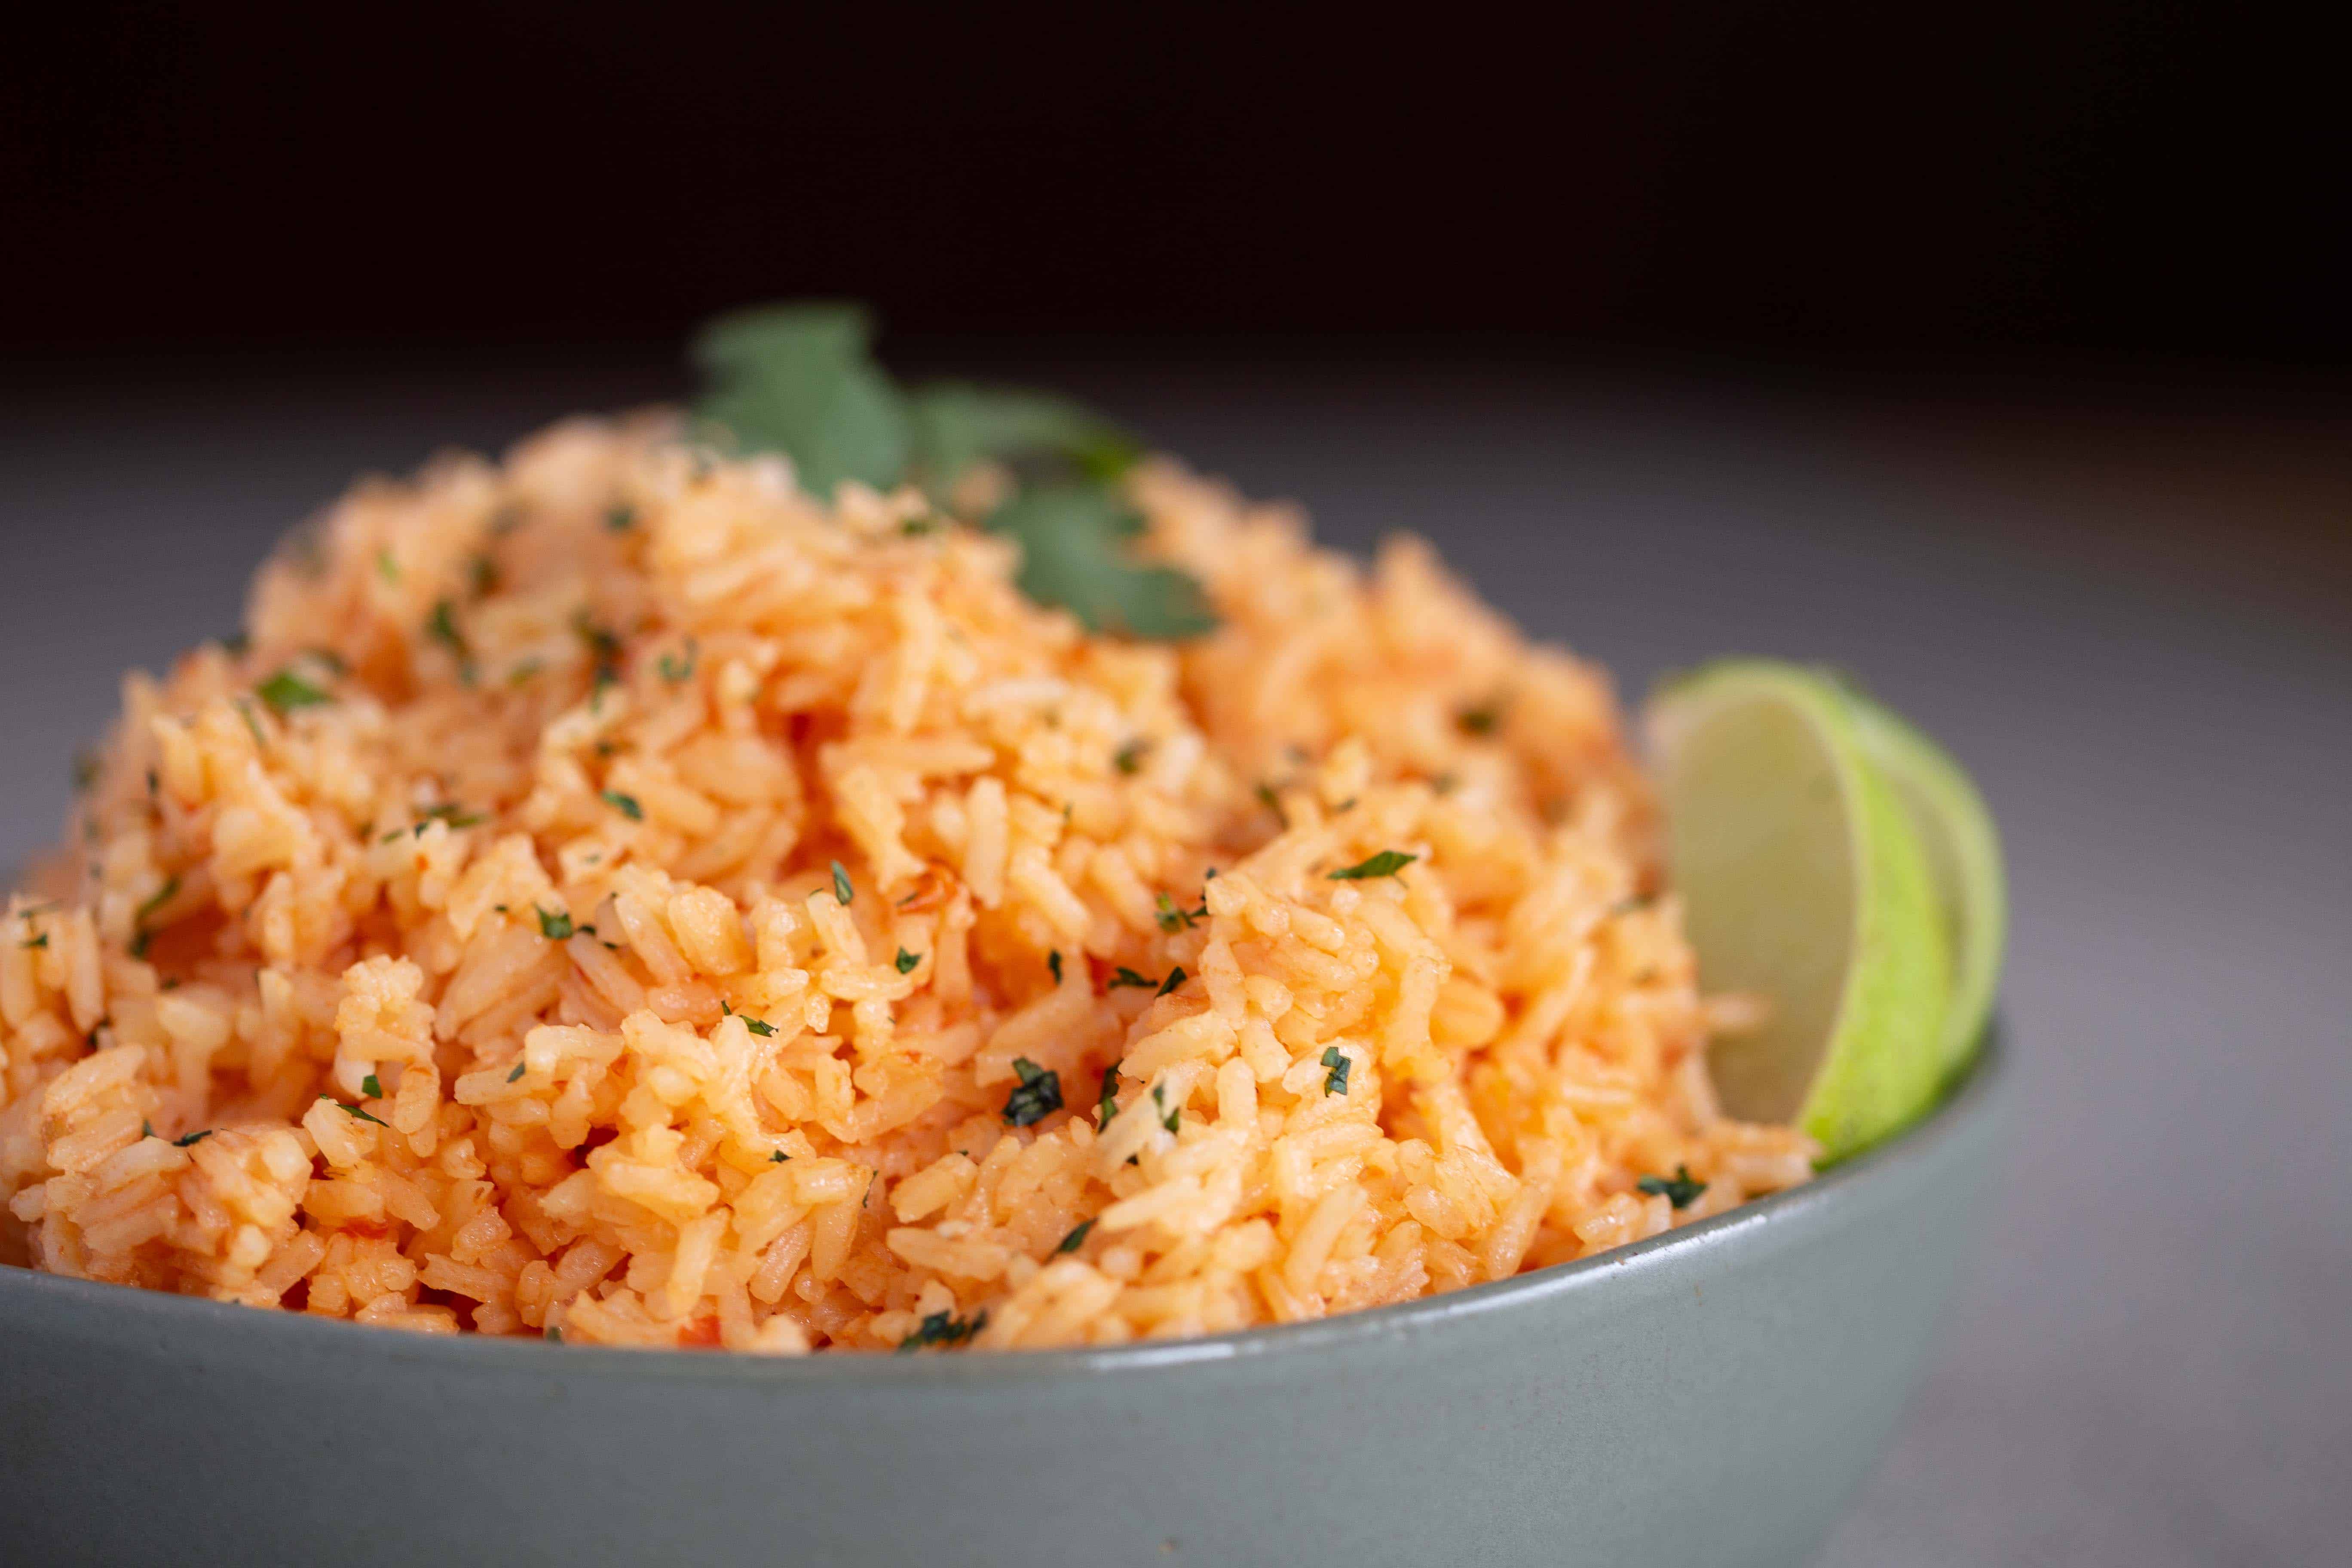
[(613, 896)]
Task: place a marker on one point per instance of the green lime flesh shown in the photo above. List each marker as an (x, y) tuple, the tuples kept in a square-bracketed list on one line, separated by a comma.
[(1803, 880), (1964, 861)]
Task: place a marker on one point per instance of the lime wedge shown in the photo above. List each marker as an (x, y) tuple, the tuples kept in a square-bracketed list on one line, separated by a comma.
[(1963, 860), (1803, 880)]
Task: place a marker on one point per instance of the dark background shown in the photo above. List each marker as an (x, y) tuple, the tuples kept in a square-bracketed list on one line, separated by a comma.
[(1793, 182), (1999, 355)]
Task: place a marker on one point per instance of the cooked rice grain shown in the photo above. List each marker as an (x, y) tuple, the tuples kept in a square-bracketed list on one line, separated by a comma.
[(509, 988)]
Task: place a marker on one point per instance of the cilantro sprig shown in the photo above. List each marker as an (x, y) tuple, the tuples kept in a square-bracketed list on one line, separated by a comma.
[(802, 379)]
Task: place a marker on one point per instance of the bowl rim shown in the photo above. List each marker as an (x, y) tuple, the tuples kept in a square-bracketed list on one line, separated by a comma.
[(171, 1317)]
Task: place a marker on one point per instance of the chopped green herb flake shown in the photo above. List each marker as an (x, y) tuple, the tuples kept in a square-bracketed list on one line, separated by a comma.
[(162, 895), (1480, 720), (1038, 1095), (386, 567), (373, 1087), (601, 642), (192, 1139), (626, 804), (622, 518), (442, 628), (1268, 799), (554, 1333), (522, 672), (1174, 1117), (285, 691), (905, 961), (1172, 918), (252, 724), (675, 670), (1336, 1080), (759, 1026), (555, 927), (1387, 863), (916, 527), (1054, 962), (842, 890), (40, 941), (1078, 1236), (146, 1128), (515, 1076), (1107, 1103), (454, 816), (780, 1158), (1123, 975), (1130, 757), (941, 1329), (1175, 978), (358, 1110), (1681, 1189)]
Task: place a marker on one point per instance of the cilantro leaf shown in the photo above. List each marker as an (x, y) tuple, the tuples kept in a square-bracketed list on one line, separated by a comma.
[(1072, 538), (955, 425), (798, 379), (1078, 1236), (802, 379)]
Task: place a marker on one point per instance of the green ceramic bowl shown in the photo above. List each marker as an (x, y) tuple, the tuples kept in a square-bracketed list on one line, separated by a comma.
[(1709, 1396)]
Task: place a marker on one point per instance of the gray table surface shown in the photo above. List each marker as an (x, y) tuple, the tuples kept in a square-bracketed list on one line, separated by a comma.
[(2135, 627)]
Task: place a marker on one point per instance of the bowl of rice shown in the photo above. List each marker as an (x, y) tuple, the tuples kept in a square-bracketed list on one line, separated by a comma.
[(643, 1009)]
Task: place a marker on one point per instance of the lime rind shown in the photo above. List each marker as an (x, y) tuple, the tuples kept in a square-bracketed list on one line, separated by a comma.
[(1964, 858), (1804, 875), (1885, 1065)]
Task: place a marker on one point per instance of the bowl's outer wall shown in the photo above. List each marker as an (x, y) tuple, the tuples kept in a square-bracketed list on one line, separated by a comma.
[(1709, 1400)]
